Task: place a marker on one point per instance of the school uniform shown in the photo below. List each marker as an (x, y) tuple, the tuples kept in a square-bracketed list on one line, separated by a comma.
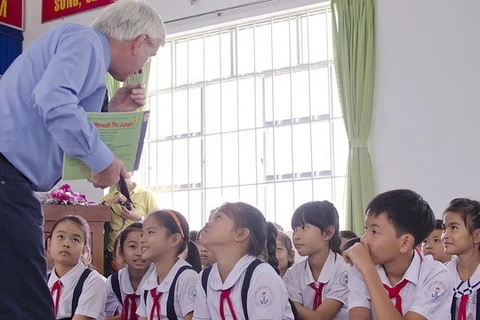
[(267, 296), (92, 299), (332, 283), (185, 292), (468, 288), (113, 305), (426, 288)]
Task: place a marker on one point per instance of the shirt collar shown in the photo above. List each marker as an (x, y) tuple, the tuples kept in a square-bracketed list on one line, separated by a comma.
[(126, 283), (164, 286), (234, 275), (412, 272), (69, 279), (326, 273)]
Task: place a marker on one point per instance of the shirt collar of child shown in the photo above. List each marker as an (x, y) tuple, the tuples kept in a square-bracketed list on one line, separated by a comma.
[(328, 270), (164, 286), (411, 274), (70, 279), (126, 283), (215, 281), (452, 267)]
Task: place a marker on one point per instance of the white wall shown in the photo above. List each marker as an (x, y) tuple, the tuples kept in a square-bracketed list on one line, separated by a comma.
[(425, 128)]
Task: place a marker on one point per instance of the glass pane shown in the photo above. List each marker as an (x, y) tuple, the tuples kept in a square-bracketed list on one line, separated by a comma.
[(195, 60), (329, 35), (153, 77), (195, 160), (213, 198), (339, 184), (180, 162), (283, 150), (164, 68), (322, 189), (195, 220), (165, 200), (180, 202), (261, 106), (213, 164), (263, 47), (164, 114), (248, 195), (281, 44), (246, 100), (245, 50), (321, 146), (303, 192), (337, 108), (302, 157), (226, 56), (195, 110), (248, 163), (304, 43), (180, 109), (229, 106), (319, 91), (152, 127), (300, 94), (230, 194), (212, 108), (281, 97), (269, 200), (181, 57), (163, 163), (230, 159), (212, 54), (317, 24), (152, 171), (294, 43), (284, 209), (263, 156), (340, 147)]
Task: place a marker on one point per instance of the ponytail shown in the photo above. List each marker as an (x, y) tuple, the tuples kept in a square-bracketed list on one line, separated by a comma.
[(193, 256), (271, 246)]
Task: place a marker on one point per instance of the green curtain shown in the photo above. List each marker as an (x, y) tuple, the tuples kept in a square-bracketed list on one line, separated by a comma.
[(113, 85), (353, 26)]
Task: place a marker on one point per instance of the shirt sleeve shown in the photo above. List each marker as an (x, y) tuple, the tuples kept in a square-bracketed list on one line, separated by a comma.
[(292, 285), (338, 290), (358, 293), (433, 297), (186, 291), (57, 95), (201, 310), (151, 203), (92, 300), (112, 305), (267, 296)]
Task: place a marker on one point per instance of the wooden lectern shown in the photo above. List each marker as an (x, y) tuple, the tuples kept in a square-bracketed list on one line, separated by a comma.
[(96, 217)]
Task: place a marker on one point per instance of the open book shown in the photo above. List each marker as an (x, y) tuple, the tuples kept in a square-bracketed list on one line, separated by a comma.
[(122, 132)]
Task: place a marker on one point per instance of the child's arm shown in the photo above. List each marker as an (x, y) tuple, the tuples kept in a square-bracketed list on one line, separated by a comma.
[(142, 318), (117, 317), (326, 311), (188, 316), (80, 317)]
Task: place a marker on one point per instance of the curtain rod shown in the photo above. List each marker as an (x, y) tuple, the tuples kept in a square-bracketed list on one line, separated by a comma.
[(219, 12)]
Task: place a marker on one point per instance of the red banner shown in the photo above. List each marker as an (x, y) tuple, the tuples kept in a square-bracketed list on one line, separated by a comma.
[(11, 13), (55, 9)]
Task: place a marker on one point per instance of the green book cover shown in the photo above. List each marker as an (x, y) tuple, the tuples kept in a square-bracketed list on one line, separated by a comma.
[(122, 132)]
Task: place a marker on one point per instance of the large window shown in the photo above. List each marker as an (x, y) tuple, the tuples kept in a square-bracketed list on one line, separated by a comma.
[(250, 113)]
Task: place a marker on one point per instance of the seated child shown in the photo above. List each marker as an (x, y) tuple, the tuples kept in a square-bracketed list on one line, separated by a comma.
[(432, 245)]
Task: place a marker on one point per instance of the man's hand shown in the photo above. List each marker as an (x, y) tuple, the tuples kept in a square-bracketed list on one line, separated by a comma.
[(359, 256), (110, 175), (128, 98), (131, 214)]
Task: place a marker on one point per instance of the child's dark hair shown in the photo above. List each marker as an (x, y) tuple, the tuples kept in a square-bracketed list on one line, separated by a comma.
[(321, 214), (79, 221), (406, 211), (350, 243), (136, 226), (192, 235), (468, 209), (175, 222), (261, 235), (347, 234), (438, 225), (287, 242)]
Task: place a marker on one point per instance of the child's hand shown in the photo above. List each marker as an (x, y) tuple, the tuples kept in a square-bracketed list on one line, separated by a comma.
[(359, 256)]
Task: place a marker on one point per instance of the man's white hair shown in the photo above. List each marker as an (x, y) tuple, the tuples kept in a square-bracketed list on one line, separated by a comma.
[(127, 19)]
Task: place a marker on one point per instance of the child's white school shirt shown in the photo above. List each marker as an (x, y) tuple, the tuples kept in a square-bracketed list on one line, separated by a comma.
[(185, 292), (335, 276), (112, 305), (267, 297), (92, 300), (471, 285), (428, 291)]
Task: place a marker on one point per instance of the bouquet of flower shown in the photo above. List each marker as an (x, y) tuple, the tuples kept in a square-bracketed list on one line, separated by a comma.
[(65, 195)]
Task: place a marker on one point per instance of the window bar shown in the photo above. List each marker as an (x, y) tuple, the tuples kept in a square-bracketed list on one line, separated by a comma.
[(311, 132), (291, 111), (273, 128), (238, 120), (188, 126), (174, 74), (255, 114)]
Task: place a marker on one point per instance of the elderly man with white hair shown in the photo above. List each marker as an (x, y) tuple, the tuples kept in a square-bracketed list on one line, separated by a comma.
[(45, 95)]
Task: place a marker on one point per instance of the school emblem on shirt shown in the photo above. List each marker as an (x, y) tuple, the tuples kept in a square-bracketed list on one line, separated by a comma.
[(344, 279), (264, 296), (435, 290), (192, 293)]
